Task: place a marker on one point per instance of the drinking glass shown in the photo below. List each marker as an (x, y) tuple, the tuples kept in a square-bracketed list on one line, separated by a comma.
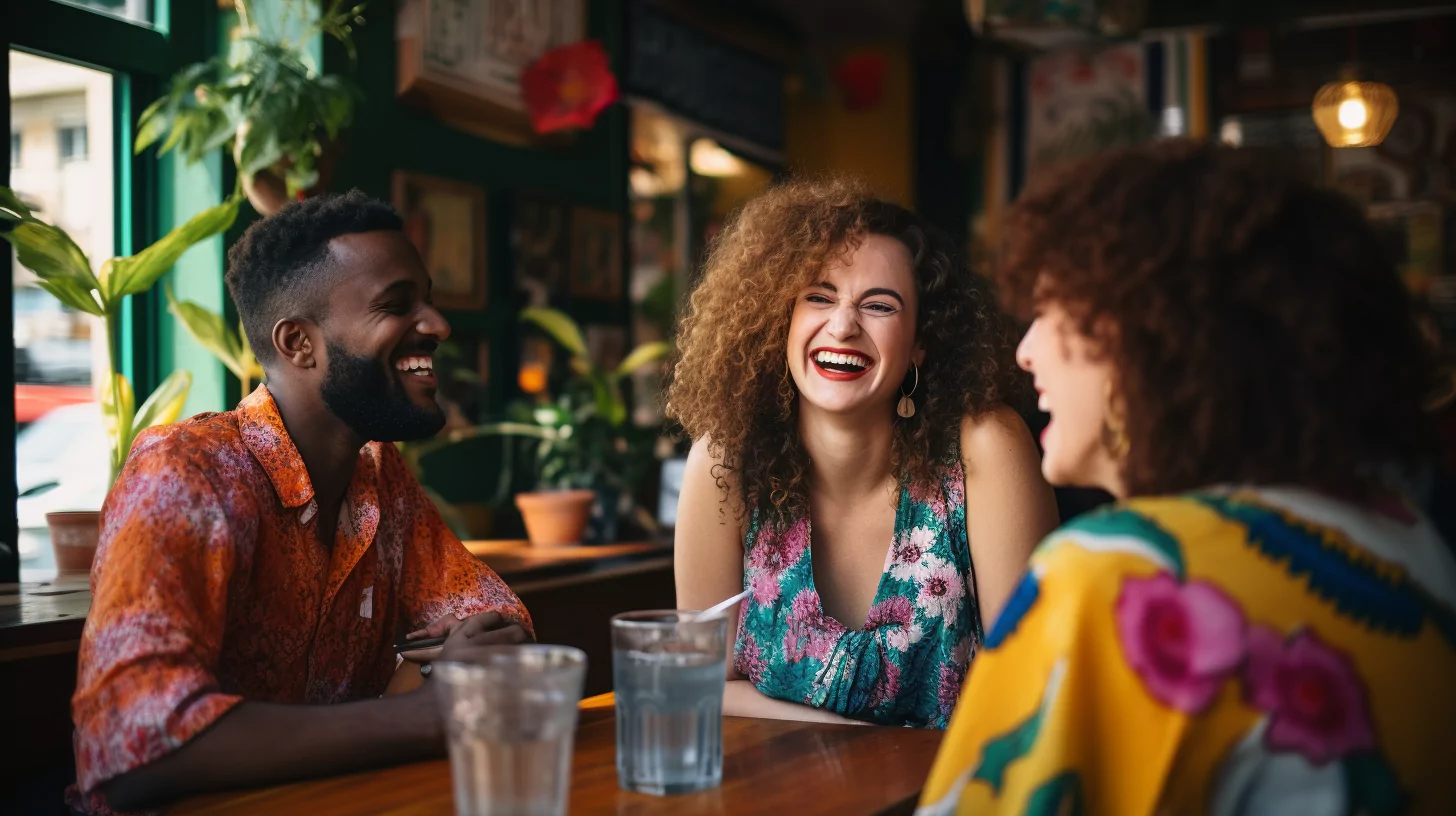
[(668, 671), (511, 717)]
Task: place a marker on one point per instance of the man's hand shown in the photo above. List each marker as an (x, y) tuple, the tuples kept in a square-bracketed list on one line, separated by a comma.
[(462, 637)]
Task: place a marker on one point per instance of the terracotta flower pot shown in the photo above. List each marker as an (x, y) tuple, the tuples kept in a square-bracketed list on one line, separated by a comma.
[(268, 192), (74, 535), (556, 517)]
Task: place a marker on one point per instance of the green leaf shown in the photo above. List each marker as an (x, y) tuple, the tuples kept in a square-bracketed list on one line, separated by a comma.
[(118, 410), (212, 333), (559, 326), (50, 253), (154, 122), (72, 295), (644, 355), (11, 207), (137, 274), (164, 406)]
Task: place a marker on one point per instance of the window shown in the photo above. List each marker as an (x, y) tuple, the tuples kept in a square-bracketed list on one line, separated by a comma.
[(137, 11), (14, 150), (61, 453), (71, 143)]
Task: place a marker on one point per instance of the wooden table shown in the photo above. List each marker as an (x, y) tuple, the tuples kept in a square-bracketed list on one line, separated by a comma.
[(570, 591), (769, 766)]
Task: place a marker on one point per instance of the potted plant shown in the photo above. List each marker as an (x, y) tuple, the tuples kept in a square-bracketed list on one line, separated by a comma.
[(65, 272), (586, 452), (267, 103)]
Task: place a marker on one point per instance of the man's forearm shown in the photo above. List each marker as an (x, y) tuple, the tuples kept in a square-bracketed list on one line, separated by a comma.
[(268, 743)]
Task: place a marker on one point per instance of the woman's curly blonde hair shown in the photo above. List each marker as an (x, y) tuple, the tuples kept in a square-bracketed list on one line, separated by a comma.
[(731, 383)]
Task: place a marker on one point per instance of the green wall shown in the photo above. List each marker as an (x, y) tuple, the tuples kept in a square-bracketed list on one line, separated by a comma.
[(388, 136), (590, 170)]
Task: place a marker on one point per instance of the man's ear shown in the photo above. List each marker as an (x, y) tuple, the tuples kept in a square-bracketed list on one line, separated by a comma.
[(293, 342)]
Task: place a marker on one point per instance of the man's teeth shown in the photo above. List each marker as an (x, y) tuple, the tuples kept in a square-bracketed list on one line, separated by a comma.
[(418, 366), (842, 359)]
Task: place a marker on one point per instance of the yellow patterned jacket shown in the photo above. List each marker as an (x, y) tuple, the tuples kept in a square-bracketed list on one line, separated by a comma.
[(1225, 651)]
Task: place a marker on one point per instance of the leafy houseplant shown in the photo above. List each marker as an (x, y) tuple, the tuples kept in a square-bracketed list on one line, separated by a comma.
[(213, 333), (265, 101), (65, 272), (585, 449)]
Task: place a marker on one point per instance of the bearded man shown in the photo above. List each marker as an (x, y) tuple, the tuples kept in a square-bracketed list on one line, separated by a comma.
[(257, 566)]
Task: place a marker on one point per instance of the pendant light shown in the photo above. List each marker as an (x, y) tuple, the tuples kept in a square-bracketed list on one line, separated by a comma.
[(1351, 113)]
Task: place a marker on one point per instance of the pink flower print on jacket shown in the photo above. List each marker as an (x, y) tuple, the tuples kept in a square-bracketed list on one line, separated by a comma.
[(941, 587), (773, 554), (1316, 703), (910, 549), (810, 633), (1183, 640)]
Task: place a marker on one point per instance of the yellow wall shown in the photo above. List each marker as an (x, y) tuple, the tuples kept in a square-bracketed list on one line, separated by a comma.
[(876, 145)]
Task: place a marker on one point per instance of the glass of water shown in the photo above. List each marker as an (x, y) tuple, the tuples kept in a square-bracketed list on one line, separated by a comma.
[(511, 717), (668, 672)]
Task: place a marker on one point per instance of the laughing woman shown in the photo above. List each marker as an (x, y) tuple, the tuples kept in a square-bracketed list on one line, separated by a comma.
[(1259, 626), (854, 467)]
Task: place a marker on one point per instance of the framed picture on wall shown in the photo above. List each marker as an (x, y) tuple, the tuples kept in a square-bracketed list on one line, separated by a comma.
[(462, 59), (445, 220), (596, 254), (541, 244)]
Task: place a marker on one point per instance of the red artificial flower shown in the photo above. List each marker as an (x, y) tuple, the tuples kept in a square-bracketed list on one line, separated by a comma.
[(861, 79), (568, 87)]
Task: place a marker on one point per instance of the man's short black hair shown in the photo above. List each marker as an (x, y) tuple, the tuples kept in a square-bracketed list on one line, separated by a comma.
[(275, 268)]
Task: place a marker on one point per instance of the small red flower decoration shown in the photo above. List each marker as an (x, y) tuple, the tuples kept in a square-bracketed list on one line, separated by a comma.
[(568, 87), (861, 80)]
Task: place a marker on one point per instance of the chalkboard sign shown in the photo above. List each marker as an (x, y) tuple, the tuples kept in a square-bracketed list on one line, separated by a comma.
[(695, 76)]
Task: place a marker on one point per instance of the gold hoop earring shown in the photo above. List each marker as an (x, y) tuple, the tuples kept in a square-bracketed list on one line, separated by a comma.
[(1114, 430), (906, 408)]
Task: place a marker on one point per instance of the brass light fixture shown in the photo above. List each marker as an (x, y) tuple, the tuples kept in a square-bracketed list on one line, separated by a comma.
[(1350, 113)]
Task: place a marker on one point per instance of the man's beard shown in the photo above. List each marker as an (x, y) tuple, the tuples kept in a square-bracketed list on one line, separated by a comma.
[(360, 391)]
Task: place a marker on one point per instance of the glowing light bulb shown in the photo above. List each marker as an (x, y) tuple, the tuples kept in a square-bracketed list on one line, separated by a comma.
[(1353, 114)]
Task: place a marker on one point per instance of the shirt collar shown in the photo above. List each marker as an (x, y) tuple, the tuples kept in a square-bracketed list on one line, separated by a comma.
[(268, 441)]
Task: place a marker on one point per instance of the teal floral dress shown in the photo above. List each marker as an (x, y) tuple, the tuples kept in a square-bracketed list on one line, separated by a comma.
[(906, 664)]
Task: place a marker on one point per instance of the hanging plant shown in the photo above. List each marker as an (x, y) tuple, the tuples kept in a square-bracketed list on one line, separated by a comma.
[(265, 102)]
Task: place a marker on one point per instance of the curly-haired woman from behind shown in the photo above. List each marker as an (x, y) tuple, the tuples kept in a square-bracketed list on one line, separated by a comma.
[(854, 466), (1259, 625)]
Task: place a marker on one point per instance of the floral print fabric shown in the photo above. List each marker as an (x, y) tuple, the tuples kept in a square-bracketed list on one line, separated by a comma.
[(905, 665), (1226, 651), (210, 586)]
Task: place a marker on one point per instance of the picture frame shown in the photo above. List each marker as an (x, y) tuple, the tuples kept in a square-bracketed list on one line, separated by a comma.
[(461, 60), (540, 245), (596, 255), (446, 220)]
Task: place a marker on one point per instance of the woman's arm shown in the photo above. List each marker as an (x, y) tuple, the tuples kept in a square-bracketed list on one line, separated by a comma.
[(741, 699), (1009, 506), (708, 567)]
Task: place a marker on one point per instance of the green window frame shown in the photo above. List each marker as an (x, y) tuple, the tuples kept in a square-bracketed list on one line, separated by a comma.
[(152, 196)]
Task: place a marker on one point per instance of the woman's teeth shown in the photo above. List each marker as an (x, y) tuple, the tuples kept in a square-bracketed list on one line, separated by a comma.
[(418, 366), (841, 362)]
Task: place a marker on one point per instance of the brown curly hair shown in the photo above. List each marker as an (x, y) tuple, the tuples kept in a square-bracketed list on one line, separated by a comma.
[(731, 382), (1258, 330)]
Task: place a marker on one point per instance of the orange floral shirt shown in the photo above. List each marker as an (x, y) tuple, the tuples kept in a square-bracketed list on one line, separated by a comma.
[(210, 586)]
